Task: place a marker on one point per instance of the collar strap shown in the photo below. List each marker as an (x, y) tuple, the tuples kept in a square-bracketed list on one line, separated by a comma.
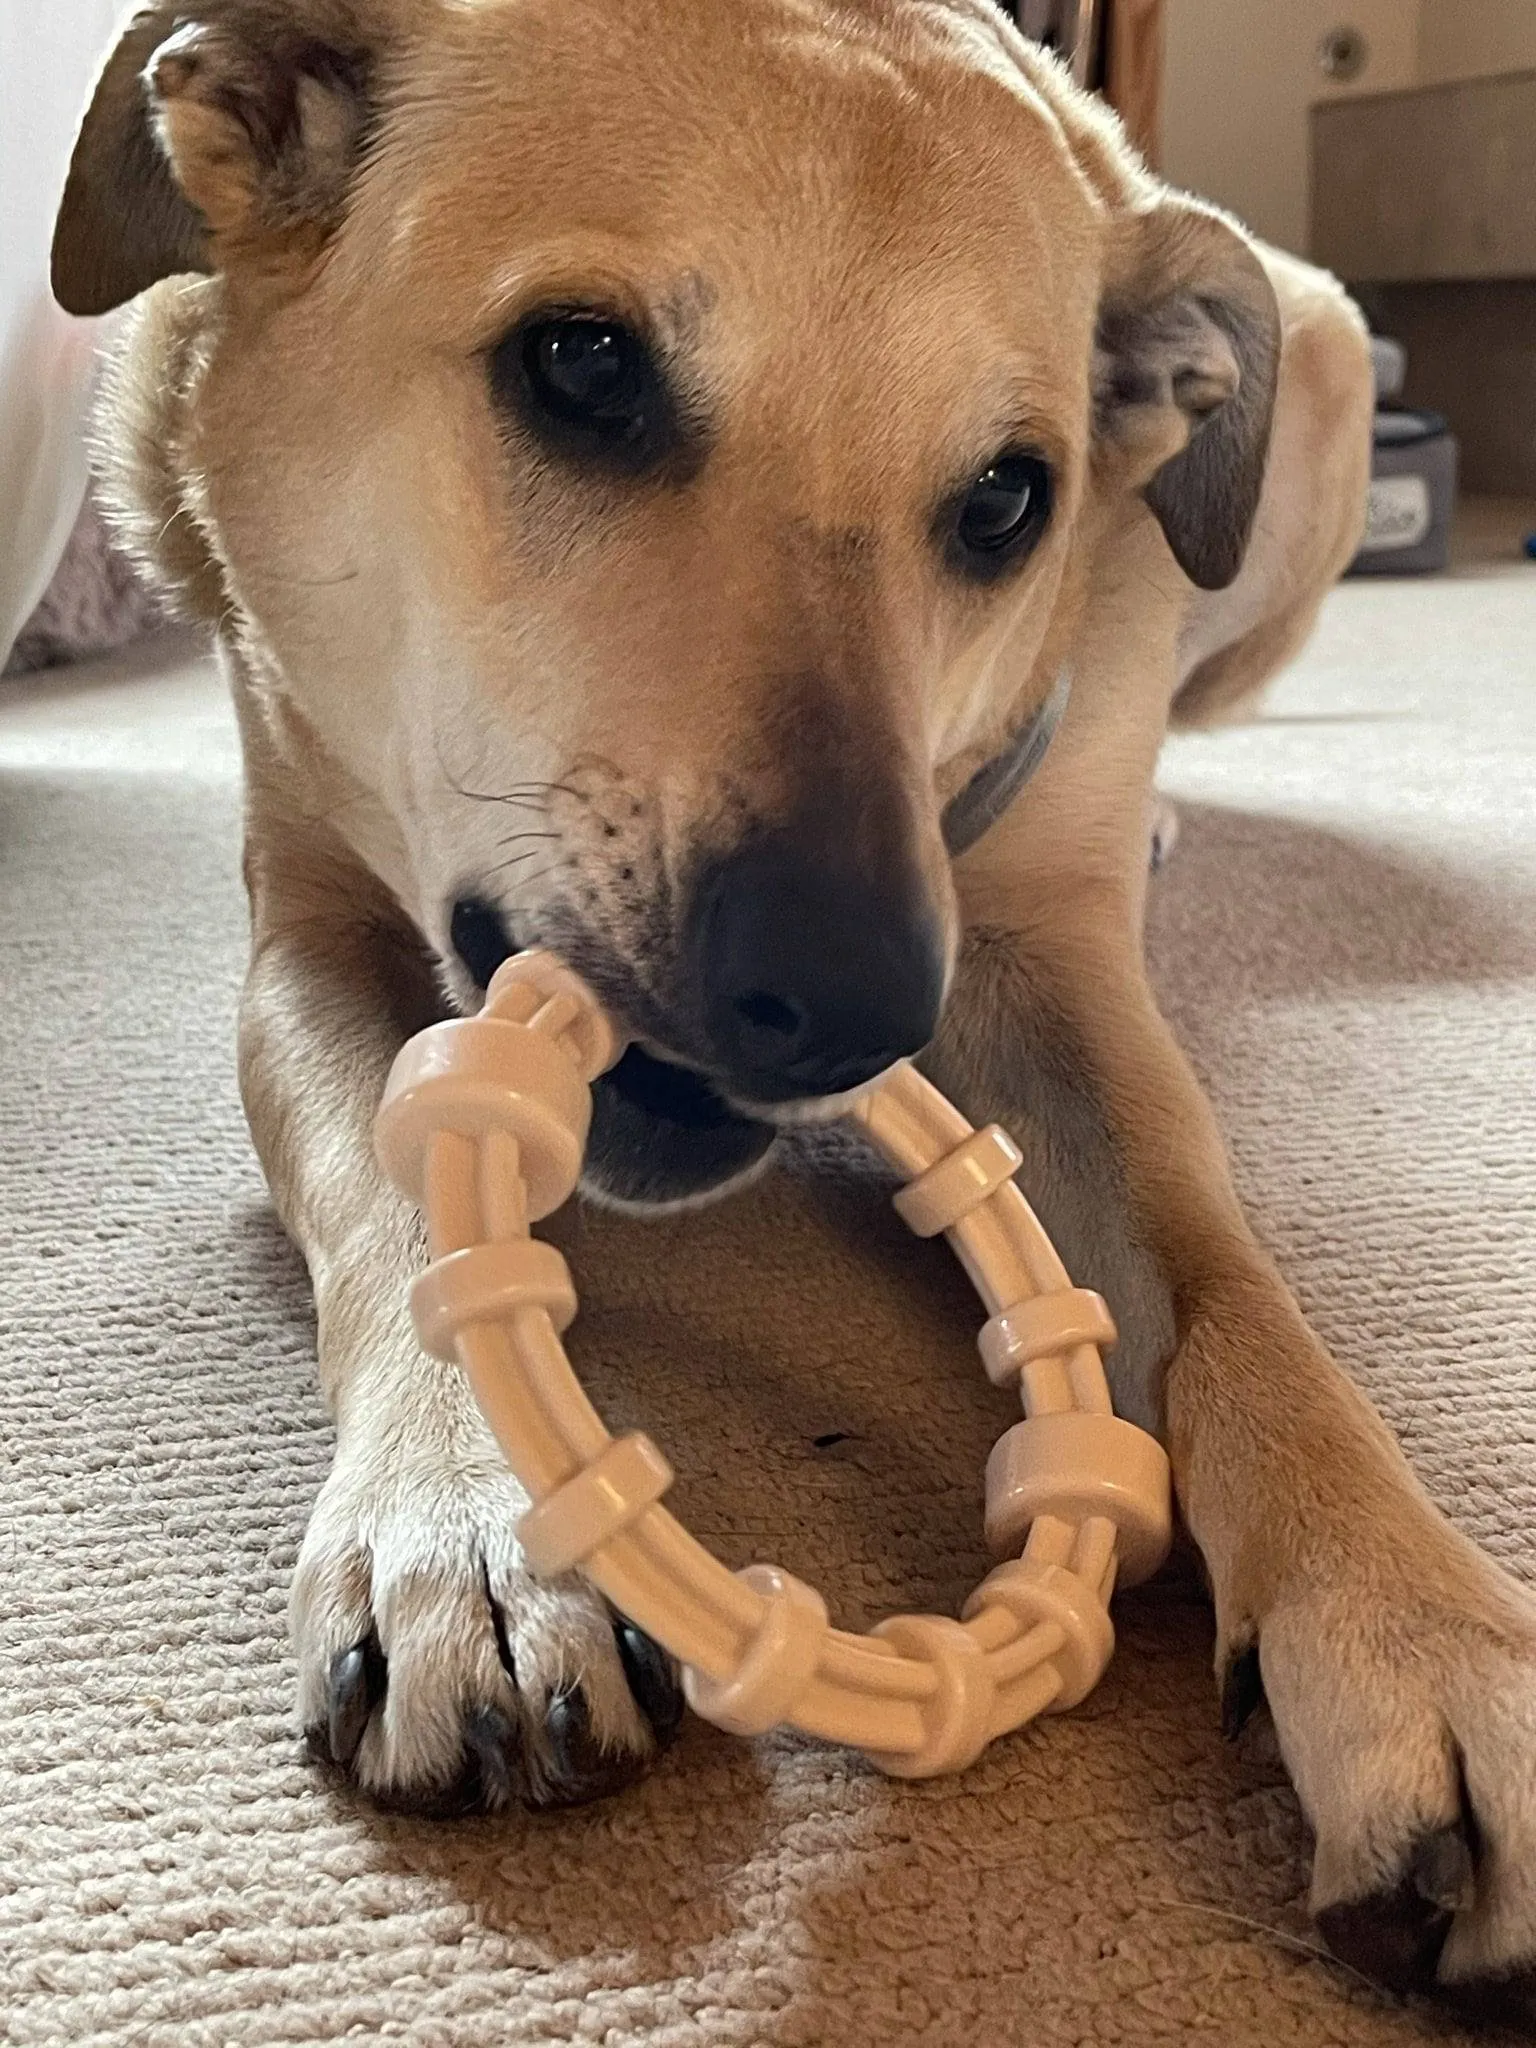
[(971, 811)]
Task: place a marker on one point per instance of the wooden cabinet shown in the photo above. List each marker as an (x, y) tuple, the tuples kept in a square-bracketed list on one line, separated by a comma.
[(1435, 183), (1424, 202)]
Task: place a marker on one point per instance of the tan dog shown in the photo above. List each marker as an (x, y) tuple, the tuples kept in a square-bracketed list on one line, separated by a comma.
[(653, 465)]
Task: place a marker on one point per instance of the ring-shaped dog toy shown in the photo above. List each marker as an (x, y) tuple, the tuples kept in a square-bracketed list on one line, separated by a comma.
[(484, 1124)]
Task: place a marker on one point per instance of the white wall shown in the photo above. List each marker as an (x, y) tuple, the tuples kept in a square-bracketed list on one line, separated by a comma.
[(1239, 76), (1470, 38)]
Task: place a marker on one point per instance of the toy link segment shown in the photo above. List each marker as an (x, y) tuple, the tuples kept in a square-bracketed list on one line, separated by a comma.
[(484, 1123), (959, 1182), (780, 1662), (1074, 1466), (957, 1714), (481, 1077), (562, 1530), (484, 1283), (1046, 1327)]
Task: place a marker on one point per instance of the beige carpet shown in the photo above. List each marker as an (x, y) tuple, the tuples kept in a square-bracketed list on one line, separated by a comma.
[(1347, 939)]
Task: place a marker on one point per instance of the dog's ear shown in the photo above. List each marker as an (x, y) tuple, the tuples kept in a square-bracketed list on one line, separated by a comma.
[(1185, 363), (220, 133)]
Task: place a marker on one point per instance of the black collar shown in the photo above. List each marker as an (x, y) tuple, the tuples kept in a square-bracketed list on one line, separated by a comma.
[(973, 810)]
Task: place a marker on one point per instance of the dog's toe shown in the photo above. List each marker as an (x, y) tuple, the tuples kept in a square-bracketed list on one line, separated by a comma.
[(488, 1777), (580, 1767)]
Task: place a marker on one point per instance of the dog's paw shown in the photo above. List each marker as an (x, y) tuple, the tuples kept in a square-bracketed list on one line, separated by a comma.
[(1409, 1728), (438, 1674)]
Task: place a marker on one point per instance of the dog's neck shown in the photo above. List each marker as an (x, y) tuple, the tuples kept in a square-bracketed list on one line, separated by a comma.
[(972, 810)]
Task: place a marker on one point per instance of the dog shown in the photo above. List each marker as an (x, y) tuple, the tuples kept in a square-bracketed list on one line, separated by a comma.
[(660, 471)]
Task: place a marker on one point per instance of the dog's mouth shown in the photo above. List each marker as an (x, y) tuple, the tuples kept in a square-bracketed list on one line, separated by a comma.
[(661, 1133), (674, 1095)]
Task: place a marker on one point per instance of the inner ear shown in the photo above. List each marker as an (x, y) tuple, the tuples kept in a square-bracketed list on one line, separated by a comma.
[(217, 134), (262, 135)]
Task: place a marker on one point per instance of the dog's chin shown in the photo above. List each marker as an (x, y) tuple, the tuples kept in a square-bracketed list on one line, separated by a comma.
[(662, 1137)]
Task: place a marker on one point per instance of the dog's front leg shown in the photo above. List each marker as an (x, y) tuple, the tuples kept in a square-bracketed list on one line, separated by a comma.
[(1398, 1661), (431, 1666)]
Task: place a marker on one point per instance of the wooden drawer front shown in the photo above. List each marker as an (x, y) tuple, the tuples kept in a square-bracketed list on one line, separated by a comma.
[(1434, 183)]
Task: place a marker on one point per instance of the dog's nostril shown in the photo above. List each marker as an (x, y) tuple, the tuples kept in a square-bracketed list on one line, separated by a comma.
[(770, 1013)]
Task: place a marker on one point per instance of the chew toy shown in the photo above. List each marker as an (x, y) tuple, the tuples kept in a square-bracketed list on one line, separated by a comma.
[(484, 1123)]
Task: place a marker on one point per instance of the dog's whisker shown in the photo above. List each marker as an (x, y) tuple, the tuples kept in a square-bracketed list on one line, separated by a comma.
[(494, 796), (313, 582), (1279, 1934), (517, 838), (529, 881), (517, 859)]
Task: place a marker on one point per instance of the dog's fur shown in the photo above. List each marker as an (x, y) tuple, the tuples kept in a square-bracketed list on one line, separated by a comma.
[(877, 236)]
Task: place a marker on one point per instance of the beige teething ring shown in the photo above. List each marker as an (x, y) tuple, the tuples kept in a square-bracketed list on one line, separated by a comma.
[(484, 1123)]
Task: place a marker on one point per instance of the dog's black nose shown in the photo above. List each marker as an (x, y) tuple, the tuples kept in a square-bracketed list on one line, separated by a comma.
[(814, 978)]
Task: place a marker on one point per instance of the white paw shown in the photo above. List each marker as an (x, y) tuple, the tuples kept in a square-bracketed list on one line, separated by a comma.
[(1409, 1727), (435, 1671)]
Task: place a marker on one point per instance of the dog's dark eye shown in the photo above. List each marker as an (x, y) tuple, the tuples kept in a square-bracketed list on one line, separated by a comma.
[(589, 386), (1004, 512), (590, 373)]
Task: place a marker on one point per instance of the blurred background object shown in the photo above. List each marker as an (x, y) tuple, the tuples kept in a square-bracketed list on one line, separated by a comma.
[(1113, 46), (46, 359), (1425, 201), (1240, 78), (1394, 142)]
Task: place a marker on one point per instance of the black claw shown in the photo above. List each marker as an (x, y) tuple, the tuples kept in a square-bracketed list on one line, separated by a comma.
[(581, 1769), (493, 1755), (1396, 1936), (1242, 1690), (652, 1679), (357, 1681)]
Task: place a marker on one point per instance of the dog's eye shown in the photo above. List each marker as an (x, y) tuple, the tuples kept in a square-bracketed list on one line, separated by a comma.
[(590, 373), (589, 386), (1003, 512)]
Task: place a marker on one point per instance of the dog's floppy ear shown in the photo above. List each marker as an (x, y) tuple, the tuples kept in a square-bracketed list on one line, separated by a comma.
[(1185, 362), (220, 132)]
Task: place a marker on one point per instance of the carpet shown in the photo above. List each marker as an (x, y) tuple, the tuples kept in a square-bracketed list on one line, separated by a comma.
[(1346, 940)]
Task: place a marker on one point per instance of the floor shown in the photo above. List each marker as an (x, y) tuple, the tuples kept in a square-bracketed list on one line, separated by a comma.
[(1346, 941)]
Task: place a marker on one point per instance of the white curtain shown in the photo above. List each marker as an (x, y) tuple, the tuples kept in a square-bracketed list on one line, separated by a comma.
[(50, 51)]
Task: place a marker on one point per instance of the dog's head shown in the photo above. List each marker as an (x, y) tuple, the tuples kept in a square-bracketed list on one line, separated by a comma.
[(657, 447)]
